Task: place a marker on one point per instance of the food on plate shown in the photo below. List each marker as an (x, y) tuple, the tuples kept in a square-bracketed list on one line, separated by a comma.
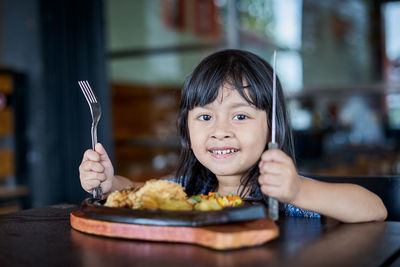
[(121, 199), (162, 194), (170, 204), (207, 205), (155, 194), (230, 200), (165, 195)]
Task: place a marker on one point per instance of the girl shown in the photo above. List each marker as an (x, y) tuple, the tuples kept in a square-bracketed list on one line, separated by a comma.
[(224, 126)]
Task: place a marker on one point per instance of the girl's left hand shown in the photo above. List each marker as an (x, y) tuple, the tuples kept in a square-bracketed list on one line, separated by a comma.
[(278, 176)]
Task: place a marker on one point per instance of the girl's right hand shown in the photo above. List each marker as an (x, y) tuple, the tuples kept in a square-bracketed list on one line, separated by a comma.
[(95, 169)]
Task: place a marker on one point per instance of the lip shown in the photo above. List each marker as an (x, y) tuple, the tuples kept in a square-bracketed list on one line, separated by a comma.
[(223, 152)]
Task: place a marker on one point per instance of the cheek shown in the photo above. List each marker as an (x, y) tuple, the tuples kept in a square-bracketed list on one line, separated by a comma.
[(259, 138), (196, 145), (194, 137)]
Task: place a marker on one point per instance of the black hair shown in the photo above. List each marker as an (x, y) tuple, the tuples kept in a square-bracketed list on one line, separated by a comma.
[(245, 71)]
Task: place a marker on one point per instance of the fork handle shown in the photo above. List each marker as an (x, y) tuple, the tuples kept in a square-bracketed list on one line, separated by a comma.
[(98, 191), (94, 135), (273, 205)]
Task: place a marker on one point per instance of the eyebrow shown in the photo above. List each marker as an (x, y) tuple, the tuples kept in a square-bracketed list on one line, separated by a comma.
[(233, 105), (241, 104)]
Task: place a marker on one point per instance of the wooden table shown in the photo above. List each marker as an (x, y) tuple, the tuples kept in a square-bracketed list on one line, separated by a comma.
[(43, 237)]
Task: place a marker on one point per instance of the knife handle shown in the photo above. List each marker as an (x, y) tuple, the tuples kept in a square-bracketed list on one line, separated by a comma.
[(273, 205), (272, 145), (273, 209)]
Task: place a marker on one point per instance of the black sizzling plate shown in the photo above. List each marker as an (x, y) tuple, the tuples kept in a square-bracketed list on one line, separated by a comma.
[(248, 211)]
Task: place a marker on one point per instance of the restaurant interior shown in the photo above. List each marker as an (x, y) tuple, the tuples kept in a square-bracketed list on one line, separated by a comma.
[(338, 61)]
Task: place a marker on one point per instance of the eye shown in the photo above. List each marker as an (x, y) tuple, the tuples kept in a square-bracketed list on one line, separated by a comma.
[(204, 117), (240, 117)]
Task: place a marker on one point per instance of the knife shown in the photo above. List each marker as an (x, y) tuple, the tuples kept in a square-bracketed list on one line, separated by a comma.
[(273, 205)]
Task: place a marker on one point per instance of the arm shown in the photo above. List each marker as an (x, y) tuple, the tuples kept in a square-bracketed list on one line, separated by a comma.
[(344, 202)]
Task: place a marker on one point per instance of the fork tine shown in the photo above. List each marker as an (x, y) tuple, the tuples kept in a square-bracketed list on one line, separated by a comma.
[(91, 93), (88, 92), (84, 91)]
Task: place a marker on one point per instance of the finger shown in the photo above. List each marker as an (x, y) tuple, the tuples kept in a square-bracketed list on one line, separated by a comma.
[(276, 155), (272, 167), (93, 176), (270, 180), (102, 152), (89, 185), (92, 166), (271, 191), (106, 186), (91, 155), (101, 177)]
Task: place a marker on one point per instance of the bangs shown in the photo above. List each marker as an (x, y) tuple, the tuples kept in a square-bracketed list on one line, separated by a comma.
[(243, 75)]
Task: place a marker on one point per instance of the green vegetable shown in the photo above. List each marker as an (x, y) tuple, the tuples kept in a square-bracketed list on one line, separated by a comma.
[(196, 198)]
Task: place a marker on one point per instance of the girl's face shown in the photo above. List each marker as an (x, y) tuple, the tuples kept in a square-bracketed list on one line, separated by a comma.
[(228, 135)]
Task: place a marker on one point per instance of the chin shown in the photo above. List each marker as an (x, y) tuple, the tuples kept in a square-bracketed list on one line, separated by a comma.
[(225, 173)]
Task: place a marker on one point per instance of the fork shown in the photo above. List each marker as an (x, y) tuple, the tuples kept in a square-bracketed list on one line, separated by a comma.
[(95, 110)]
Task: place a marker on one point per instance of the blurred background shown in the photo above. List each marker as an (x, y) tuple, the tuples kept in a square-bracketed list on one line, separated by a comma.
[(338, 60)]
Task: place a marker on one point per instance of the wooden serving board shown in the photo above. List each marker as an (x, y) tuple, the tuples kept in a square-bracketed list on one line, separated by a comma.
[(220, 237)]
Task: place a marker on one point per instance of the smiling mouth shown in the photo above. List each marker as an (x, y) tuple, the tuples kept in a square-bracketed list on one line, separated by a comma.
[(223, 151)]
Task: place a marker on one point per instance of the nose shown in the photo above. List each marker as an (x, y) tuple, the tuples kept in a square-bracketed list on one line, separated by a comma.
[(221, 130)]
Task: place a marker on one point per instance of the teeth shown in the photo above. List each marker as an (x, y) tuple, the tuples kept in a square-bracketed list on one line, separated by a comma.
[(223, 152)]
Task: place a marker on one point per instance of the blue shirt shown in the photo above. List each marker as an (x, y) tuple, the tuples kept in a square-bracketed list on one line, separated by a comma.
[(285, 208)]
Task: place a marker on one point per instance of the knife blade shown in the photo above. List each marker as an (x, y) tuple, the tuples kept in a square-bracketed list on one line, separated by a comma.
[(273, 205)]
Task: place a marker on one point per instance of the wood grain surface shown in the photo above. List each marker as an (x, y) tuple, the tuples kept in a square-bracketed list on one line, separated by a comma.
[(220, 237)]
